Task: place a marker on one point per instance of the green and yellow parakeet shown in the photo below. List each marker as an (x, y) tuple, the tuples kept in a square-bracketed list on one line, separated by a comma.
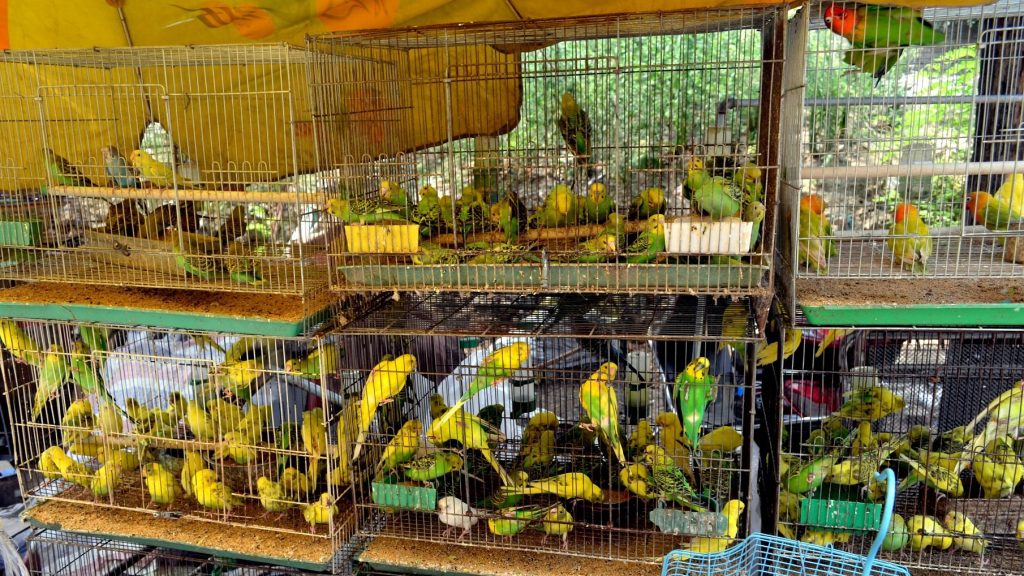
[(914, 250), (885, 29), (431, 254), (600, 403), (991, 212), (402, 448), (560, 208), (600, 248), (647, 203), (18, 342), (649, 244), (326, 356), (62, 172), (369, 211), (512, 521), (717, 197), (469, 431), (53, 372), (754, 213), (874, 61), (668, 480), (155, 172), (597, 204), (428, 210), (694, 388), (432, 466), (85, 374), (510, 215), (495, 368), (574, 125)]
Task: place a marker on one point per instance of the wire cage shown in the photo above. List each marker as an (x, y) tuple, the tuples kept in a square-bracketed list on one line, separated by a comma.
[(200, 441), (52, 552), (931, 415), (164, 167), (881, 181), (487, 443), (525, 156)]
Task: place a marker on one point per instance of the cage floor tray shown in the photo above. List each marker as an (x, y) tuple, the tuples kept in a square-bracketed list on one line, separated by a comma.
[(304, 552), (656, 278), (912, 302), (401, 556), (257, 314)]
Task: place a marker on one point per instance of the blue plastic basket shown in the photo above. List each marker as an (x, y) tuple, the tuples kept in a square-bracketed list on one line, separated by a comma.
[(761, 554)]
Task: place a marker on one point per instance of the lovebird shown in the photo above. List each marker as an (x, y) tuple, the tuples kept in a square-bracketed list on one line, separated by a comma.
[(694, 388), (155, 172), (991, 212), (61, 171), (881, 27), (601, 405), (53, 372), (914, 250), (495, 368), (574, 126), (649, 244), (815, 245), (117, 168), (385, 381)]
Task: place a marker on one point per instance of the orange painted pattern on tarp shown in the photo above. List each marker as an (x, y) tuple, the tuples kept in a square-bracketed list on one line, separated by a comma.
[(5, 38), (356, 14), (249, 20)]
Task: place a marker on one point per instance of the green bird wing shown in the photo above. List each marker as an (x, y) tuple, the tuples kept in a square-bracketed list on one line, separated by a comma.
[(891, 27)]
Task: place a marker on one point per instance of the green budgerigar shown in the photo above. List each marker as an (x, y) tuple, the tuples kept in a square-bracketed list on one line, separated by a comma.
[(694, 388), (600, 403), (61, 171), (597, 204), (560, 208), (647, 203), (496, 367), (510, 215), (649, 244), (717, 197), (575, 128), (53, 372)]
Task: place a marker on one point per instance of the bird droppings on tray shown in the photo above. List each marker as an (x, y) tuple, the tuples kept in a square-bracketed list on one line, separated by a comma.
[(906, 291), (248, 542), (442, 558), (269, 306)]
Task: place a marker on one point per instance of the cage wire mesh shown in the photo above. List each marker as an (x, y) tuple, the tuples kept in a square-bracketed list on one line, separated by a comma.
[(515, 466), (934, 119), (520, 156), (918, 402), (52, 552), (183, 437), (185, 167)]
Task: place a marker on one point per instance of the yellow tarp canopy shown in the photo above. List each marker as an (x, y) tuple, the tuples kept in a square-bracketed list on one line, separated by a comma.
[(32, 25)]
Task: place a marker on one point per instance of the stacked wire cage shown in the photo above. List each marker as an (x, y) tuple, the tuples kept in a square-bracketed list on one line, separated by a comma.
[(548, 424), (52, 552), (164, 167), (209, 441), (628, 153), (907, 167), (939, 413)]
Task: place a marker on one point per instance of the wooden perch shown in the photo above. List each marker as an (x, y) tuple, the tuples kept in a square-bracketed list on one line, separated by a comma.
[(537, 234)]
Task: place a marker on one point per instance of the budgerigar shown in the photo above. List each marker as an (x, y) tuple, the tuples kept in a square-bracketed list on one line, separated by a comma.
[(117, 168), (495, 368), (319, 512), (597, 204), (162, 486), (402, 448), (18, 342), (600, 403), (61, 171), (314, 440), (155, 172), (694, 388), (647, 203), (557, 521), (384, 382), (471, 432), (432, 466), (575, 128), (53, 372), (456, 514), (649, 244), (272, 496)]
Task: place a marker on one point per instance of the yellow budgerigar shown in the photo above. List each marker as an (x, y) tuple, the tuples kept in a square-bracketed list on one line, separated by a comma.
[(162, 486), (200, 422), (314, 440), (319, 512), (18, 342), (769, 353), (154, 171), (77, 422), (708, 544), (384, 382), (296, 484), (211, 493), (272, 495), (966, 536), (402, 447), (106, 479), (469, 431), (557, 522), (193, 463)]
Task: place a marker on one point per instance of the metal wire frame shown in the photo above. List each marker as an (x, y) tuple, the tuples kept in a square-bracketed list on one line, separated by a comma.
[(945, 378), (932, 130), (598, 317), (148, 366), (232, 121), (477, 107), (53, 552), (549, 380)]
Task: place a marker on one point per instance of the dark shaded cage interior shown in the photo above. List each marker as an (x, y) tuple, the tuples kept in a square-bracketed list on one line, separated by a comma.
[(940, 408), (52, 552), (160, 167), (212, 440), (519, 156), (935, 129), (509, 424)]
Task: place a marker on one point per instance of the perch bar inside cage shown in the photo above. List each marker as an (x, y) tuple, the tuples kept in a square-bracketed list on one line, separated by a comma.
[(568, 232), (184, 194), (894, 170)]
